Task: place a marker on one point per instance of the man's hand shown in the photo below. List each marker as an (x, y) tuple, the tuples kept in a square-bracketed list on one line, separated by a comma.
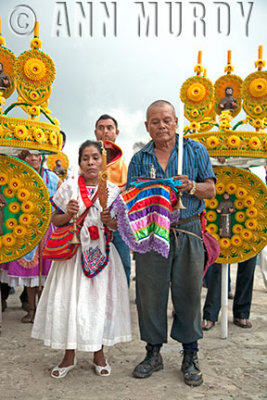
[(204, 190), (187, 184)]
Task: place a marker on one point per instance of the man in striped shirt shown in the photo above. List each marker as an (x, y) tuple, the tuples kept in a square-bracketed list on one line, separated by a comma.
[(182, 271)]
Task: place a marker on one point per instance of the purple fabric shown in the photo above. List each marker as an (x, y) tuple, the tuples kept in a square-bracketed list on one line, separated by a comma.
[(212, 248), (127, 235), (28, 266), (142, 213)]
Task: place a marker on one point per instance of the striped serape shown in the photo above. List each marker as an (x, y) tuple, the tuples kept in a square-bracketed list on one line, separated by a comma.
[(144, 221)]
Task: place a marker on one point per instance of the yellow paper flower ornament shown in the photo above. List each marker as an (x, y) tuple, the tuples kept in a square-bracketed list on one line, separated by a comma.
[(240, 216), (19, 231), (213, 203), (236, 240), (239, 204), (212, 142), (252, 212), (8, 240), (233, 141), (39, 135), (20, 131), (3, 178), (14, 183), (251, 224), (33, 110), (14, 207), (25, 219), (246, 234), (23, 194), (255, 143), (11, 223), (249, 201), (36, 43), (225, 243), (53, 137), (211, 216), (34, 69), (237, 228), (241, 193), (27, 206), (220, 188), (231, 188), (34, 95), (212, 228), (8, 192)]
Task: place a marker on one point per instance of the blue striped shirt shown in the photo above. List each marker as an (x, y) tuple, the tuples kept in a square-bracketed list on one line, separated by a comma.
[(196, 165)]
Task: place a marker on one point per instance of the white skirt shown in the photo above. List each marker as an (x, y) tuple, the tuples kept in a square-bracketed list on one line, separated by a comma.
[(75, 312)]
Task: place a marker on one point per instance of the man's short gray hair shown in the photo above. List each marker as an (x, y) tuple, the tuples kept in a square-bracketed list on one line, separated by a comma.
[(160, 103)]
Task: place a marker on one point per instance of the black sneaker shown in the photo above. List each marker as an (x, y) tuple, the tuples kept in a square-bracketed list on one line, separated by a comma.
[(190, 369), (152, 363)]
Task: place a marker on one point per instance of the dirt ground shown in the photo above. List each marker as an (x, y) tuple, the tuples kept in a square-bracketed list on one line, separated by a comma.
[(235, 368)]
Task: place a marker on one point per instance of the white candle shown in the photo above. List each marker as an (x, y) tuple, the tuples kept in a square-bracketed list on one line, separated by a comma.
[(181, 136)]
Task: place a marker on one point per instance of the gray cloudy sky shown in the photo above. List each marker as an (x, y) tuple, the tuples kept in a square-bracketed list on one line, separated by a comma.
[(123, 72)]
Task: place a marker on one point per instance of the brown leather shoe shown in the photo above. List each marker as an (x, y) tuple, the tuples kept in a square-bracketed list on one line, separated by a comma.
[(242, 323), (207, 325)]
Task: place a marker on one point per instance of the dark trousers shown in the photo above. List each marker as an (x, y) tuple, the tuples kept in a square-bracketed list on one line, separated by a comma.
[(182, 273), (243, 291)]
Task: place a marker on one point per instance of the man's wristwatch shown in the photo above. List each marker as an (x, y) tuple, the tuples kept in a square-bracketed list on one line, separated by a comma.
[(192, 191)]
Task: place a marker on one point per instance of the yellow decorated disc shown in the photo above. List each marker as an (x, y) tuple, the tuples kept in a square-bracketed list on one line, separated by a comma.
[(34, 69), (8, 58), (254, 89), (249, 220), (197, 92), (25, 208), (221, 84), (51, 162)]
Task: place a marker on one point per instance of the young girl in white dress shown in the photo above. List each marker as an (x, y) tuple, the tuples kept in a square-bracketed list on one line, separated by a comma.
[(76, 312)]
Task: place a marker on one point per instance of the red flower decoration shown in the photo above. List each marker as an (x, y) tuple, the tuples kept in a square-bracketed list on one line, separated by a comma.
[(94, 233)]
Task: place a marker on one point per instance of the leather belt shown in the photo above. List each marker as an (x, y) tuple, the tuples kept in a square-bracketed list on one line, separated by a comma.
[(185, 220)]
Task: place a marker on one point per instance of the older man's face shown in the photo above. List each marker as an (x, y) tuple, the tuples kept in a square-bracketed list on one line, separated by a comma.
[(161, 124), (34, 160)]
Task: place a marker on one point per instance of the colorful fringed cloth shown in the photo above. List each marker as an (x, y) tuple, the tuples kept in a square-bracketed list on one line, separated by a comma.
[(144, 215)]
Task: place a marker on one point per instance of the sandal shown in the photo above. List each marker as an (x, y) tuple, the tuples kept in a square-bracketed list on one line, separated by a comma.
[(242, 323), (207, 325), (99, 369), (29, 317), (62, 372)]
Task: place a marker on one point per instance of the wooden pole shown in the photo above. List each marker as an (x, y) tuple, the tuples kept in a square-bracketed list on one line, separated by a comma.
[(224, 302)]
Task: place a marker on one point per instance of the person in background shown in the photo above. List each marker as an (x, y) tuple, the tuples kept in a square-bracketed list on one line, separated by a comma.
[(183, 270), (106, 128), (242, 297)]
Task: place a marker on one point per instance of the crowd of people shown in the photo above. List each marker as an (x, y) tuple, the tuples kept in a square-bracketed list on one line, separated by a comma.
[(75, 312)]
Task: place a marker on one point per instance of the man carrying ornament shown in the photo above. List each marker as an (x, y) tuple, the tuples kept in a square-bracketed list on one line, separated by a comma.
[(182, 270)]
